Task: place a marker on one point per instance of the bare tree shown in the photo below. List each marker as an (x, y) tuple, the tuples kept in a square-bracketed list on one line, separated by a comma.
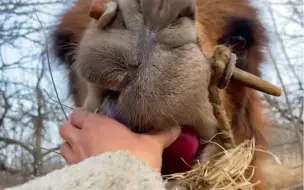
[(286, 57), (29, 118)]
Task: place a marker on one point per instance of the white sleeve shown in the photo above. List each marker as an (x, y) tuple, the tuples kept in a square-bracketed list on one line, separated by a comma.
[(109, 171)]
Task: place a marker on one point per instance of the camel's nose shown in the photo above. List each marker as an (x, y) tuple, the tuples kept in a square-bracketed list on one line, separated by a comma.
[(161, 13)]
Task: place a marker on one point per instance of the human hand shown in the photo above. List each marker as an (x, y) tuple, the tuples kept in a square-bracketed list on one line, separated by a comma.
[(89, 135)]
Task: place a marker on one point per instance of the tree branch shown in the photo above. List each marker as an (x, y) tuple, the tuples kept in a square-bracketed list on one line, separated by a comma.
[(16, 142)]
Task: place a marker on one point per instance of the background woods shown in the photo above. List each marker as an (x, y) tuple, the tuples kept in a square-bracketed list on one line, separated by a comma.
[(30, 114)]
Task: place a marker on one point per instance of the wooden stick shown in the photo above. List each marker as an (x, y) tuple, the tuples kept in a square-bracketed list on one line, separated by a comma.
[(254, 82)]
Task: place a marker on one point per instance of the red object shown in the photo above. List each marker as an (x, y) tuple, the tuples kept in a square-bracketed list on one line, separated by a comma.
[(179, 156), (97, 9)]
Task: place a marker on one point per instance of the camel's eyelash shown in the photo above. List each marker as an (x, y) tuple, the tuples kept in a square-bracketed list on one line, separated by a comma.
[(239, 28)]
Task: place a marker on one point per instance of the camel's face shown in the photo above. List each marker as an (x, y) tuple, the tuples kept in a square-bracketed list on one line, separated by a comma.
[(152, 69), (150, 65)]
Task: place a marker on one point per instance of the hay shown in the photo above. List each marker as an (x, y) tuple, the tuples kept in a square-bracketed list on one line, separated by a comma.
[(225, 171)]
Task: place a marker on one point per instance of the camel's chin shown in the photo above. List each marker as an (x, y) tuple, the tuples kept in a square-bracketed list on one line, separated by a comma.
[(180, 156)]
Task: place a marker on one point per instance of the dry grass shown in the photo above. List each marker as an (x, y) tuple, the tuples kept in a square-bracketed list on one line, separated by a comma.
[(225, 171)]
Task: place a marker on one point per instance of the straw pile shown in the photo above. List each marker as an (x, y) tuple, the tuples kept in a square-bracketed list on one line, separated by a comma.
[(225, 171)]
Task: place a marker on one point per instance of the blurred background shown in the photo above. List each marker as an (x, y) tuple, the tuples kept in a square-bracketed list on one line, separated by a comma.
[(30, 114)]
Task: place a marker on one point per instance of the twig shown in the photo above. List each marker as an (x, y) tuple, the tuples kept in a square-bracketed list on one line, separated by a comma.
[(15, 142), (287, 101), (50, 150), (9, 170), (57, 101), (51, 73), (283, 112), (28, 148), (284, 49)]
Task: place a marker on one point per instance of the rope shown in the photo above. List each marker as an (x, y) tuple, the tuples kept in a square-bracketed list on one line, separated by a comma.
[(220, 80)]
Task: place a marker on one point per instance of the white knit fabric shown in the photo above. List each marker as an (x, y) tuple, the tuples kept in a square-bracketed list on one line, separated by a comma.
[(109, 171)]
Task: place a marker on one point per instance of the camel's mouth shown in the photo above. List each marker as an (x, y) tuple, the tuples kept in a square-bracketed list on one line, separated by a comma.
[(180, 156)]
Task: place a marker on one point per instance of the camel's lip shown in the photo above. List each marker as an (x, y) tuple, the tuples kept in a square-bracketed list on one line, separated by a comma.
[(186, 145), (113, 113), (180, 156)]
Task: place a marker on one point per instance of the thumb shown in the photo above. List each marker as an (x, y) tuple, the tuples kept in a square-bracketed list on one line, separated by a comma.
[(166, 138)]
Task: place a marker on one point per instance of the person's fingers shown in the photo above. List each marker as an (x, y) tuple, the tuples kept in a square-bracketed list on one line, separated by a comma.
[(67, 153), (69, 133), (78, 116), (166, 138)]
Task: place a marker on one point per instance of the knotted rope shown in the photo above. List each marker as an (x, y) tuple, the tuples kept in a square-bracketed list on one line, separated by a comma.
[(220, 80)]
